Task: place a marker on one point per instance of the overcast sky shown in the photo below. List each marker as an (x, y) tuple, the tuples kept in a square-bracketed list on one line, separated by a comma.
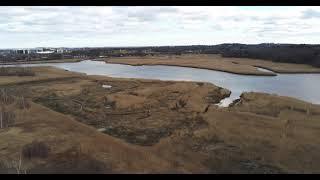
[(26, 27)]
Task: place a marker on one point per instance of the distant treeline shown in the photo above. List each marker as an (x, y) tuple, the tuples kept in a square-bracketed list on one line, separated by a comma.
[(301, 54), (32, 57), (291, 53)]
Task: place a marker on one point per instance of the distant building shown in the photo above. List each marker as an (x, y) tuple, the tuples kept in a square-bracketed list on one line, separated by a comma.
[(27, 51), (38, 50), (45, 52), (21, 51), (60, 50)]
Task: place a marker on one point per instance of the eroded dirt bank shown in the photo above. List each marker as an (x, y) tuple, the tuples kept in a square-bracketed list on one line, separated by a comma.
[(69, 123)]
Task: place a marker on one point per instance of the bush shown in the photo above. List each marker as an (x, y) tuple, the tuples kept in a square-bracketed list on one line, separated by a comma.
[(5, 97), (16, 71), (35, 150), (22, 103), (7, 118), (85, 91), (182, 103)]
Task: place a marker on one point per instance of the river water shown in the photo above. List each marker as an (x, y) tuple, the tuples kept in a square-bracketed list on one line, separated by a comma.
[(302, 86)]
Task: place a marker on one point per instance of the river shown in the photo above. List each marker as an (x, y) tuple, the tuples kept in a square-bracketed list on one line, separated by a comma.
[(301, 86)]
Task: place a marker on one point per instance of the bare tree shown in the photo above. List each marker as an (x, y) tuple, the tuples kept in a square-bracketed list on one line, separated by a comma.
[(15, 165), (5, 98), (22, 103), (1, 117)]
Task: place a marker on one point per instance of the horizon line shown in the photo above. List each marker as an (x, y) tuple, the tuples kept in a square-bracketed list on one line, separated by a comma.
[(152, 45)]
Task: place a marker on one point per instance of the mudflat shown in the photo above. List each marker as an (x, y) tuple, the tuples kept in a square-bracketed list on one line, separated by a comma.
[(243, 66), (66, 122)]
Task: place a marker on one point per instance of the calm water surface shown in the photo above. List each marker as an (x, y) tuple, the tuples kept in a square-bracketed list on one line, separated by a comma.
[(302, 86)]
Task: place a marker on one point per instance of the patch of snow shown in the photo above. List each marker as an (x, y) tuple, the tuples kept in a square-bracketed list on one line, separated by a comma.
[(101, 129), (106, 86), (225, 102), (264, 70)]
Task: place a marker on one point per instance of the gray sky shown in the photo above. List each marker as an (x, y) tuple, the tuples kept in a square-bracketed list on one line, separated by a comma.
[(26, 27)]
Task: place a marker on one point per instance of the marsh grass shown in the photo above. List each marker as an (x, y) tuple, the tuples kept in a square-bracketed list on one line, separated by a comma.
[(5, 97), (12, 166), (16, 71), (35, 150), (7, 118), (22, 103)]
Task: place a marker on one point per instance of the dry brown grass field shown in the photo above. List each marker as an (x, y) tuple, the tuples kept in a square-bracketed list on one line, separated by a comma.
[(66, 122), (216, 62)]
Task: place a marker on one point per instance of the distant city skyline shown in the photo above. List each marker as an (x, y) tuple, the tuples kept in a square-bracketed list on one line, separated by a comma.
[(76, 27)]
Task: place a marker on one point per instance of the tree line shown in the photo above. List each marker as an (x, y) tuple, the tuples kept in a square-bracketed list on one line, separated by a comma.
[(290, 53)]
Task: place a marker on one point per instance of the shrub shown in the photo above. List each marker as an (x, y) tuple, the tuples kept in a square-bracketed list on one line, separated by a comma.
[(7, 118), (35, 150), (22, 103), (5, 97), (182, 103), (16, 71), (85, 91)]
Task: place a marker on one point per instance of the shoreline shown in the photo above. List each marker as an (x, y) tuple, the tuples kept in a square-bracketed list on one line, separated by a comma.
[(239, 66), (43, 62), (286, 72), (186, 66), (274, 72)]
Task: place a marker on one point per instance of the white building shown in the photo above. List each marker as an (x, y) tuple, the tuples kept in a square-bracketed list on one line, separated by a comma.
[(45, 52)]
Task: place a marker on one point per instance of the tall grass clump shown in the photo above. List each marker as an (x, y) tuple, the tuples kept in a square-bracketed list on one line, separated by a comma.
[(35, 149), (16, 71), (7, 118)]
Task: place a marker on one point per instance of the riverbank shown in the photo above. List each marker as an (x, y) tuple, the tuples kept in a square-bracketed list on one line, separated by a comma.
[(98, 124), (241, 66), (42, 61)]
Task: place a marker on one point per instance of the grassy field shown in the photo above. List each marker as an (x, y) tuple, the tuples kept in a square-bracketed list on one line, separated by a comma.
[(216, 62), (63, 122)]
